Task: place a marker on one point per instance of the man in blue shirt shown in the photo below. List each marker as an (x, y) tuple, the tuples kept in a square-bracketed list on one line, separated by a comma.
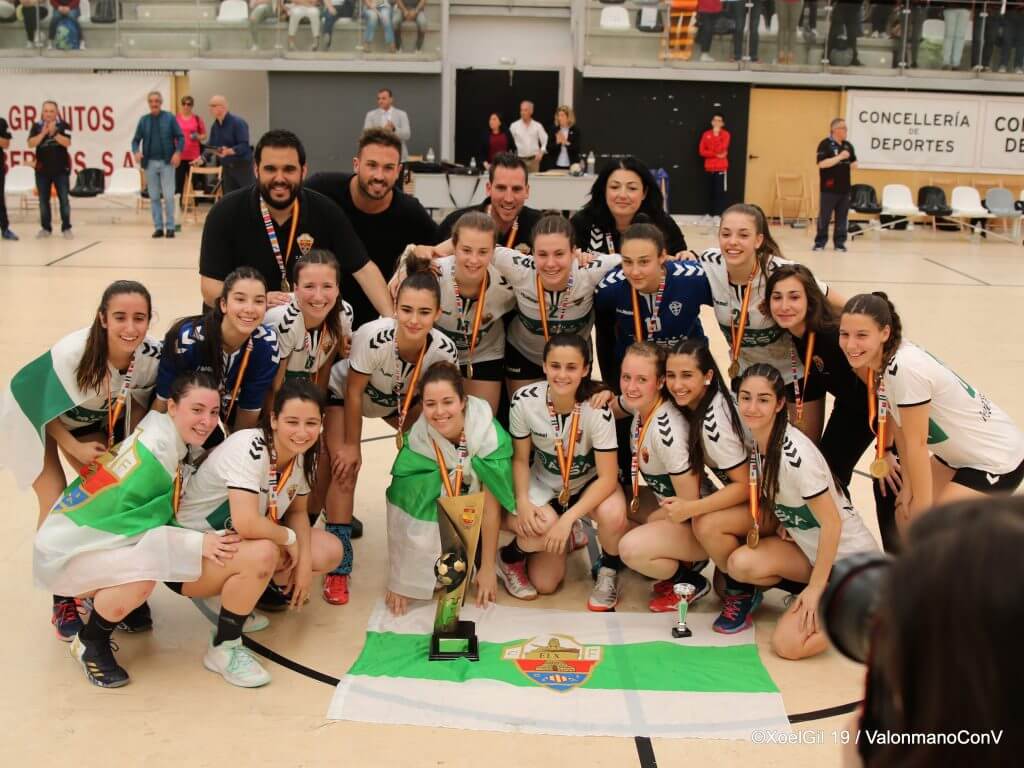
[(229, 138), (161, 142)]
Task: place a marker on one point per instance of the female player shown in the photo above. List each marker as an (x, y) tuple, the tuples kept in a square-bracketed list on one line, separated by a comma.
[(797, 496), (379, 380), (798, 306), (85, 394), (975, 447), (232, 343), (256, 484), (573, 475), (658, 548), (455, 443), (554, 295)]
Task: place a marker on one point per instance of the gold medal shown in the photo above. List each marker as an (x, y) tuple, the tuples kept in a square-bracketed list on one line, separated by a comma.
[(399, 442), (563, 497), (753, 537), (734, 369), (469, 371), (879, 468), (285, 285), (634, 505)]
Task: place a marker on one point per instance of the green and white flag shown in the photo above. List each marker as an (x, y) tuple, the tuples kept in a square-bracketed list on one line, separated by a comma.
[(112, 527), (46, 388), (414, 539), (563, 673)]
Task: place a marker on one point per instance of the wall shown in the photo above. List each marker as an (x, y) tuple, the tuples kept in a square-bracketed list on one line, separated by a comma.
[(326, 110), (246, 92)]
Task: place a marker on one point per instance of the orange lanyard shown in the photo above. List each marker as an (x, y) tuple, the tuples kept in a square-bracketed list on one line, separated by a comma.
[(801, 391), (512, 232), (114, 409), (638, 444), (276, 483), (397, 387), (877, 406), (542, 304), (737, 335), (564, 461), (176, 495), (452, 489), (238, 380)]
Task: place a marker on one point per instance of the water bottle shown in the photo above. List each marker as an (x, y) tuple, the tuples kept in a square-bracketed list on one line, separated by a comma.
[(430, 155), (591, 163), (472, 164)]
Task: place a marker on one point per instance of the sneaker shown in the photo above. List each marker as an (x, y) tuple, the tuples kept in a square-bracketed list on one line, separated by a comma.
[(99, 663), (664, 587), (841, 248), (43, 233), (516, 580), (233, 661), (272, 600), (255, 622), (157, 234), (706, 57), (169, 234), (605, 594), (66, 620), (66, 234), (139, 620), (8, 235), (737, 613), (818, 248), (669, 601), (357, 528), (579, 536), (336, 588)]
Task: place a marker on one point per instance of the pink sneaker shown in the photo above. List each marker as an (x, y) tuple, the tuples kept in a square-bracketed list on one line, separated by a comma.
[(513, 576)]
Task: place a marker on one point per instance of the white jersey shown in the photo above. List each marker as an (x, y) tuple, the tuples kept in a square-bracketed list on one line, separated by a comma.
[(526, 333), (299, 346), (965, 428), (664, 453), (529, 418), (94, 410), (804, 475), (499, 301), (373, 354), (763, 340), (723, 448), (241, 462)]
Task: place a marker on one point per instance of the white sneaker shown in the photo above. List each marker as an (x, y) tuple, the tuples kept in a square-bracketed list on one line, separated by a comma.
[(232, 661), (43, 233), (515, 579), (605, 594), (255, 622), (706, 57), (1002, 70)]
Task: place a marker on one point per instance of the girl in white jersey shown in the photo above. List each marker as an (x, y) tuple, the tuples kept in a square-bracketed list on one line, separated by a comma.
[(801, 523), (574, 474), (554, 295), (737, 271), (86, 393), (256, 484), (379, 380), (953, 442)]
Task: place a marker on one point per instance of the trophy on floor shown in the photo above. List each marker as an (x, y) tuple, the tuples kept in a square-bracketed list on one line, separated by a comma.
[(459, 519), (685, 593)]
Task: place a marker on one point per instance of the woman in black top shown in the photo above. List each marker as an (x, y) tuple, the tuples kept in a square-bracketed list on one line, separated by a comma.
[(564, 136), (797, 305)]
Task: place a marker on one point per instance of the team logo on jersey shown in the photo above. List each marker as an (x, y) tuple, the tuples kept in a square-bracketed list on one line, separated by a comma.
[(560, 665), (305, 242), (675, 308), (818, 363), (645, 455)]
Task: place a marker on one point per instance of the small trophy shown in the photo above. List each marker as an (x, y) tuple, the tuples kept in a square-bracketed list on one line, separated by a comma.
[(684, 592), (459, 519)]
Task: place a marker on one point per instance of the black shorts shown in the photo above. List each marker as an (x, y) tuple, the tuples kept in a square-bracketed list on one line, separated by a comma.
[(491, 370), (99, 427), (559, 509), (517, 367), (985, 482), (175, 586)]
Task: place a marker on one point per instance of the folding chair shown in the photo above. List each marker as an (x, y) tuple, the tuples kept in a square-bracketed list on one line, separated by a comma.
[(190, 195), (790, 188)]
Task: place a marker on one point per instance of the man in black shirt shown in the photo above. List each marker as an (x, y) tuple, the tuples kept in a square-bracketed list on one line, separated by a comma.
[(385, 218), (50, 138), (508, 189), (270, 225), (835, 160), (5, 223)]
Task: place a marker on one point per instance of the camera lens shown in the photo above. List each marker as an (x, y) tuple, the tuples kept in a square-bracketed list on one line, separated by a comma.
[(850, 602)]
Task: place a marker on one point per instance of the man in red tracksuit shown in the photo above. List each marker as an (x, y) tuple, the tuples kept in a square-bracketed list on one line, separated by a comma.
[(714, 148)]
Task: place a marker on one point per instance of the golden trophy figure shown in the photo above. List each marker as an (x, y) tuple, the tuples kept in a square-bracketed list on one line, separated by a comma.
[(459, 519)]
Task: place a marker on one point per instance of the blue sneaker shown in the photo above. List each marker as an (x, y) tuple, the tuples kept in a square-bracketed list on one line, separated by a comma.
[(737, 613), (66, 620), (8, 235)]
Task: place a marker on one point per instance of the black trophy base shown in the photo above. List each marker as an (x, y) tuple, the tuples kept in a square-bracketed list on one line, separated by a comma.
[(678, 633), (460, 644)]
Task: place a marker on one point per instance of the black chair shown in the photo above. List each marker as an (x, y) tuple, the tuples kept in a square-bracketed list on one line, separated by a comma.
[(88, 183), (932, 202), (864, 199)]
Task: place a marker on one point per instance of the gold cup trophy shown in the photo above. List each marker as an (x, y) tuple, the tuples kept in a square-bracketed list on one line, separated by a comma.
[(459, 519)]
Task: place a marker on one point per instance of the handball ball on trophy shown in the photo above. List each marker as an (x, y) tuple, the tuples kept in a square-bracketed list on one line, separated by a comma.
[(450, 569)]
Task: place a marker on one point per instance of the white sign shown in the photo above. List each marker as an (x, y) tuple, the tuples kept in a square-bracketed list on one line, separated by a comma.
[(936, 131), (102, 111)]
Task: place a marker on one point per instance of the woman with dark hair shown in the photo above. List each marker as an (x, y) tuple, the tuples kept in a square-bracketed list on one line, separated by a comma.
[(572, 445), (76, 401), (496, 140), (953, 442), (797, 304), (456, 447), (622, 192)]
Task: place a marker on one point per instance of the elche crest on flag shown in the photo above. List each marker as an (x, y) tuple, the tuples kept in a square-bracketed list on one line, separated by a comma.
[(560, 664), (109, 470)]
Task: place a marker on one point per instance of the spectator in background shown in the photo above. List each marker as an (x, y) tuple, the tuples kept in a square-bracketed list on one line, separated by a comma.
[(298, 10), (410, 10), (918, 14), (378, 12), (836, 158), (229, 138), (714, 148), (390, 118), (957, 17), (563, 147), (334, 10), (50, 138), (789, 17), (66, 9), (739, 10), (496, 141), (1013, 38), (530, 137), (32, 13), (881, 12), (987, 13), (157, 149), (259, 12), (845, 21), (5, 142), (708, 13), (194, 131)]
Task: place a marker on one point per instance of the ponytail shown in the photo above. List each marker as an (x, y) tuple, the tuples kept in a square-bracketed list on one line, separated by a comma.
[(773, 454), (419, 276), (878, 307), (768, 248)]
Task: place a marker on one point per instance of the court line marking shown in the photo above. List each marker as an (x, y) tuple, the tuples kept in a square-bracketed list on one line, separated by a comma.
[(951, 269), (69, 255)]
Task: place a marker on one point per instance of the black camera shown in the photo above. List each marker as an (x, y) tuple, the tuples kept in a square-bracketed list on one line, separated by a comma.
[(850, 602)]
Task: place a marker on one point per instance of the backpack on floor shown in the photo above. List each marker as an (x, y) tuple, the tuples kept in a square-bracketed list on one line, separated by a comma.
[(67, 36)]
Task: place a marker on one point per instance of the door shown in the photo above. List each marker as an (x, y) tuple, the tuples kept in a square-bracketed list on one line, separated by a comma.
[(479, 92)]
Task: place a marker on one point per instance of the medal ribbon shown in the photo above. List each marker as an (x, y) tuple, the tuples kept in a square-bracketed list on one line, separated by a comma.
[(276, 483), (176, 494), (755, 490), (512, 233), (564, 463), (452, 489), (275, 246), (881, 410), (114, 409), (737, 335), (639, 433), (238, 380), (311, 361), (655, 311), (397, 382), (477, 316), (542, 303), (801, 391)]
